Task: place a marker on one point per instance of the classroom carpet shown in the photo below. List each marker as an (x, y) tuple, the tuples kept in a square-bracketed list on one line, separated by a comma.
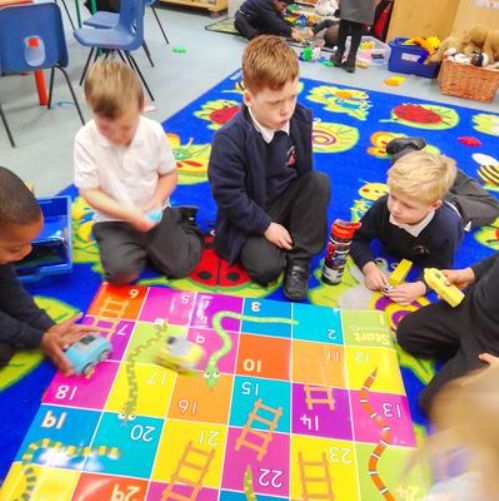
[(351, 129)]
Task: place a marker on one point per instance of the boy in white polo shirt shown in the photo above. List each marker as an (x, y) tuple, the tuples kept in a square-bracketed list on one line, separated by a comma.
[(126, 171)]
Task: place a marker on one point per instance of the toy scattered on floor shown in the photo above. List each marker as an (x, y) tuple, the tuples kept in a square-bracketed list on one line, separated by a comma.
[(429, 44), (394, 81), (318, 396), (179, 50), (180, 354), (338, 247), (438, 282), (399, 274), (87, 352), (311, 53)]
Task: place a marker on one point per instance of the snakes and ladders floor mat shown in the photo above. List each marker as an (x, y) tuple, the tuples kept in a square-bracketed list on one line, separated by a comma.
[(292, 401), (351, 129)]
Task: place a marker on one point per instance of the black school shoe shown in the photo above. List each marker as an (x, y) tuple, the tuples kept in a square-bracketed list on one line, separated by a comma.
[(188, 213), (405, 144), (296, 280)]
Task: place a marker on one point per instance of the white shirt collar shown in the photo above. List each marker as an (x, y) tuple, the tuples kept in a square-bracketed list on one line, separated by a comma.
[(138, 138), (414, 229), (266, 133)]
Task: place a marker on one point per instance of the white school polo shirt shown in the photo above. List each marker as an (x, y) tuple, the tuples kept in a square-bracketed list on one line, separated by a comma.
[(128, 174)]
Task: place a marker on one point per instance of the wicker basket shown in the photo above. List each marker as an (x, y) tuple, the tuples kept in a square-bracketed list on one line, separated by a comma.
[(468, 81)]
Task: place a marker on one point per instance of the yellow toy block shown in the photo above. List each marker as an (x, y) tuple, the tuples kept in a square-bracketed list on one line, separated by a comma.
[(437, 281), (400, 273)]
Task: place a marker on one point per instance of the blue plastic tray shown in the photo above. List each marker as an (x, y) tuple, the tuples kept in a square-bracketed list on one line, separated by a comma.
[(52, 250), (409, 59)]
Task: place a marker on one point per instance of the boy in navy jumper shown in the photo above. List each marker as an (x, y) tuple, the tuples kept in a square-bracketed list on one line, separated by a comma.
[(272, 208), (23, 325), (411, 222), (257, 17)]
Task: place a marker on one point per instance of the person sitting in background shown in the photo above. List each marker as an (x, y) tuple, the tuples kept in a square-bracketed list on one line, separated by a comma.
[(266, 17)]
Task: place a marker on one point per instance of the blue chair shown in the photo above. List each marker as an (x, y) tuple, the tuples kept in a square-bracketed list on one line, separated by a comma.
[(106, 20), (32, 38), (123, 37)]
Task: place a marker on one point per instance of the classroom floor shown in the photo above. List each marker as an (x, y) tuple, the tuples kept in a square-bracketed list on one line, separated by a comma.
[(45, 138)]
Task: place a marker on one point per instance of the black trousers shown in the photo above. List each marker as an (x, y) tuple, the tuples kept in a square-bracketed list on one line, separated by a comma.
[(173, 247), (455, 336), (355, 31), (243, 25), (302, 209)]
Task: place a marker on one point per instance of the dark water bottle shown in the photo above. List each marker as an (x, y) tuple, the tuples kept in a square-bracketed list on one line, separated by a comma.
[(337, 250)]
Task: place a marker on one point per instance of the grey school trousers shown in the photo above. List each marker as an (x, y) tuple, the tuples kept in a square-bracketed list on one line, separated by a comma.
[(173, 247)]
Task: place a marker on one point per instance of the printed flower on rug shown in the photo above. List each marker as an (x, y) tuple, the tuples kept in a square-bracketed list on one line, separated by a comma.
[(218, 112), (354, 103), (333, 138), (192, 159), (369, 192), (24, 362), (424, 116), (380, 139), (214, 274), (84, 247), (488, 124), (489, 235)]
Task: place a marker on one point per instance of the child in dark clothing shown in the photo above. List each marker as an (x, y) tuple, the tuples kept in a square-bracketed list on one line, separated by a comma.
[(257, 17), (411, 221), (22, 323), (272, 208), (468, 334), (354, 16)]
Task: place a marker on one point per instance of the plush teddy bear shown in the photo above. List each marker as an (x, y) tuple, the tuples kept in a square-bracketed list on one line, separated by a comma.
[(474, 39), (491, 47), (450, 46)]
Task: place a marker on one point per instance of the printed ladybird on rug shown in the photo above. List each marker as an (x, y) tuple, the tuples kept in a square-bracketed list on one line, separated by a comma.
[(424, 116), (192, 159), (214, 274), (352, 102), (218, 112)]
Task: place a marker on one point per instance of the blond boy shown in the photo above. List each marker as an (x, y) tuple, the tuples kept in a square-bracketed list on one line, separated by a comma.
[(411, 222), (126, 171), (272, 208)]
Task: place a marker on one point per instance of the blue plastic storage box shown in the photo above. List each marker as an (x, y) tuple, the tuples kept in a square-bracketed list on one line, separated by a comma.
[(409, 59), (52, 250)]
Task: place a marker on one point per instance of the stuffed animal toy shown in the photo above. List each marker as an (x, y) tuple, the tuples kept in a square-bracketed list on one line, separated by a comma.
[(448, 47), (474, 39), (326, 8), (491, 47)]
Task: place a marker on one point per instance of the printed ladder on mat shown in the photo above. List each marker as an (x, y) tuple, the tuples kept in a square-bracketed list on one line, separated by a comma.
[(297, 402)]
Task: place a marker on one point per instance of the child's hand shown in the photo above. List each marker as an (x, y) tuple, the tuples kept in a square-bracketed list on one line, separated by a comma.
[(59, 337), (278, 235), (489, 359), (375, 278), (297, 35), (407, 293), (460, 278), (140, 222)]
